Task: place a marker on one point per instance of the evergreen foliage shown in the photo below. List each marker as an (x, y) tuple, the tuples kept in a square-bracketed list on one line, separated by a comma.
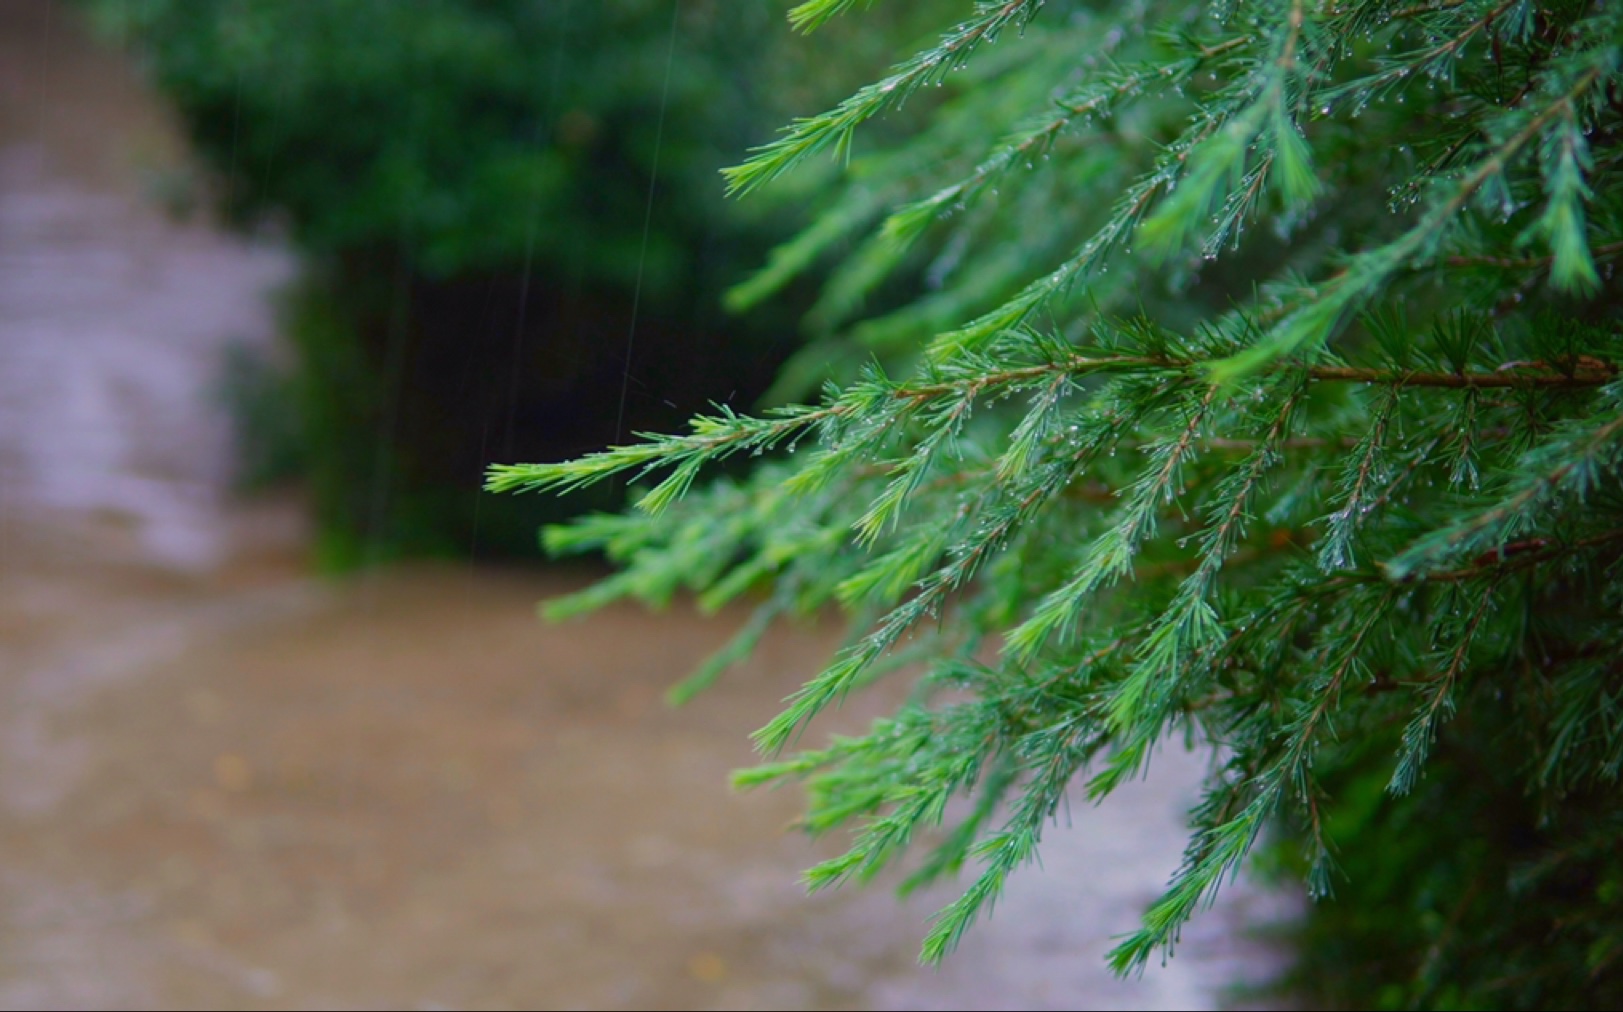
[(1250, 374)]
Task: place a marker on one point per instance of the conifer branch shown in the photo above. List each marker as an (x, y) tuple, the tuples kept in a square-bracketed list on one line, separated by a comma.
[(1574, 461), (810, 15), (1110, 556), (1422, 729), (1410, 64), (1511, 376), (835, 128), (1515, 556), (1217, 852), (1314, 322), (1097, 97), (1362, 471), (715, 438), (1454, 509), (1190, 627), (1601, 252)]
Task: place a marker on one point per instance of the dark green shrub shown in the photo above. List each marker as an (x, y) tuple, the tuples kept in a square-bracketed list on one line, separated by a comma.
[(511, 220)]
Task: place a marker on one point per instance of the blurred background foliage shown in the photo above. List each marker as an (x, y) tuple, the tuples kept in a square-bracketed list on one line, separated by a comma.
[(516, 241)]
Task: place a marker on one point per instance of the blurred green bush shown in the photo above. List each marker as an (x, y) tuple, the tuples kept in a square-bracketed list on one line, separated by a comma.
[(515, 235)]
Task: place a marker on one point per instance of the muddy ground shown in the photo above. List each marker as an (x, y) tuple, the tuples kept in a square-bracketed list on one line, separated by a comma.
[(405, 792)]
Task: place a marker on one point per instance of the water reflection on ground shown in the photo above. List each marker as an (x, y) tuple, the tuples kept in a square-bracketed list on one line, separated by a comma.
[(224, 784)]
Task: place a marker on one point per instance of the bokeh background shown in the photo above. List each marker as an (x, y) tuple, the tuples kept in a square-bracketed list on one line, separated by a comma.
[(278, 725)]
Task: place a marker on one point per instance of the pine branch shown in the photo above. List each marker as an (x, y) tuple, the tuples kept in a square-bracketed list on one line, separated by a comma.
[(712, 438), (1097, 97), (835, 128), (1511, 376), (1311, 325), (1110, 556), (1064, 750), (1220, 850), (1422, 730), (1363, 470), (1410, 65), (1572, 462), (1377, 449), (1602, 252), (1186, 638), (810, 15)]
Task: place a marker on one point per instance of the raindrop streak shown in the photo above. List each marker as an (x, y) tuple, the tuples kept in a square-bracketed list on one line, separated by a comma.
[(517, 364), (394, 365), (236, 134), (515, 368), (647, 222)]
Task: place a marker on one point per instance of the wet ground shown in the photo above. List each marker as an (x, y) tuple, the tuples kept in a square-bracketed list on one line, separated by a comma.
[(227, 784), (404, 792)]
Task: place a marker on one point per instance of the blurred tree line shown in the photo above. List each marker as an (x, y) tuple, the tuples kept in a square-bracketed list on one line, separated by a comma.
[(514, 232)]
